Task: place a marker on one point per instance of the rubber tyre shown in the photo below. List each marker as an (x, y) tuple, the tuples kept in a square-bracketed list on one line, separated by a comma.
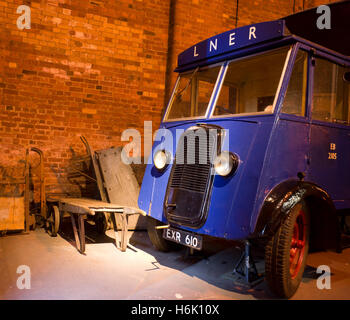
[(156, 236), (282, 280)]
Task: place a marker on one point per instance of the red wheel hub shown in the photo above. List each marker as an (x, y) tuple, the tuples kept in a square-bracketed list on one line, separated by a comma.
[(297, 246)]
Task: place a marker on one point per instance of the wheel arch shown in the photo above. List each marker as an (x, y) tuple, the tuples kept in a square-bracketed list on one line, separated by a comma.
[(324, 227)]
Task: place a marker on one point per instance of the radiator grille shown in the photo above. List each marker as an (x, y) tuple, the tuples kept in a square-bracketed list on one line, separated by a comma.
[(189, 188), (193, 161)]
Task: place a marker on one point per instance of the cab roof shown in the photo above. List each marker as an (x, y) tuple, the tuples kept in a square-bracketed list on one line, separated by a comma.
[(300, 25), (303, 24)]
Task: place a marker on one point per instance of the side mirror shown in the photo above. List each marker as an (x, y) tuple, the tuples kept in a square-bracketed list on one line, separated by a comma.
[(346, 76)]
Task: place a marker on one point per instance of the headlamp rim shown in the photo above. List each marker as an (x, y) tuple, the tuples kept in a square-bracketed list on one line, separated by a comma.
[(167, 157), (233, 158)]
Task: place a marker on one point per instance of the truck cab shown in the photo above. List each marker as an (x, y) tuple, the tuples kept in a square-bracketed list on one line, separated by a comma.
[(255, 143)]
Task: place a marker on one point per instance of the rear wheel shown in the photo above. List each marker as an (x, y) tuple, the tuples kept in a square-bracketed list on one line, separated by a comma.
[(286, 252), (156, 236), (53, 221)]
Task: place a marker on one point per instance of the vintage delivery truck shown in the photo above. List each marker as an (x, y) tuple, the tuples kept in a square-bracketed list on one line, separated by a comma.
[(255, 143)]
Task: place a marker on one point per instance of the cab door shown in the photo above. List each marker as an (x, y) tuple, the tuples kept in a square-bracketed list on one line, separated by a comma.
[(329, 160)]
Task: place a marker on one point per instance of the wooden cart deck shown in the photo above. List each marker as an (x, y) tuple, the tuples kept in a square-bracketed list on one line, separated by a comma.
[(82, 207)]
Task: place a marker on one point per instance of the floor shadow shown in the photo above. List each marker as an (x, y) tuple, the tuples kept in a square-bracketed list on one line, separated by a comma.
[(224, 256), (91, 234), (220, 257), (225, 278), (222, 276)]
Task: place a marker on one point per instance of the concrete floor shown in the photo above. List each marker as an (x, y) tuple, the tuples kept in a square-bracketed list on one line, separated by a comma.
[(58, 271)]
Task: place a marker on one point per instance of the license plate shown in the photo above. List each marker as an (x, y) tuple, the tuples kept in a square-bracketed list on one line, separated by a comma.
[(182, 237)]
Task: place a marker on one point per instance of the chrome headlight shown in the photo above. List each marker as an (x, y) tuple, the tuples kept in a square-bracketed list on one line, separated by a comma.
[(161, 159), (226, 163)]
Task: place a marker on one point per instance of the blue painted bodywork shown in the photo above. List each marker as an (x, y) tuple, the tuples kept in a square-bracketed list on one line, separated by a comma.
[(272, 148)]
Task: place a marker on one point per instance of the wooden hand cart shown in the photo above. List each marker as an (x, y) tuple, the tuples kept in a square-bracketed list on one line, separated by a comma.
[(82, 208), (117, 190)]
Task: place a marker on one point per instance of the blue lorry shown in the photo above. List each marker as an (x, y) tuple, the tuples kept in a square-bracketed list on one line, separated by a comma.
[(255, 143)]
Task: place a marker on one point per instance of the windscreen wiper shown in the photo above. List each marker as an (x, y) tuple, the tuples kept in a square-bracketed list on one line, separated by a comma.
[(179, 94)]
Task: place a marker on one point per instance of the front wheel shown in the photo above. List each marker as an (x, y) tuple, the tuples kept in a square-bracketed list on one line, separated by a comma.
[(156, 236), (286, 252)]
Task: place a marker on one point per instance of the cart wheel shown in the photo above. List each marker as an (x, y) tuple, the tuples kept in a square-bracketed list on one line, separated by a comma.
[(53, 221), (156, 237), (101, 223), (286, 252)]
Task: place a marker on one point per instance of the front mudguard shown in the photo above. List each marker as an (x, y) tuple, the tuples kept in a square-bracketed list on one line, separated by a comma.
[(281, 199)]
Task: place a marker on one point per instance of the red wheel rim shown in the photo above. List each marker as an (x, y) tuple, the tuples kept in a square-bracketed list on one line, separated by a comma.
[(297, 246)]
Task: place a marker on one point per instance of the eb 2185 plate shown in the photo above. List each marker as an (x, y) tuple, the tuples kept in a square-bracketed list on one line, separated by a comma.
[(182, 237)]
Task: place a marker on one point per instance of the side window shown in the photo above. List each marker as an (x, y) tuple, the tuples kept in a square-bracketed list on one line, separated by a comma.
[(294, 100), (331, 92)]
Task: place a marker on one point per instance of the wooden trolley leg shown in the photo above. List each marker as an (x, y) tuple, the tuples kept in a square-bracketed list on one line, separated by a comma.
[(115, 228), (77, 242), (82, 233), (124, 242), (121, 242), (79, 235)]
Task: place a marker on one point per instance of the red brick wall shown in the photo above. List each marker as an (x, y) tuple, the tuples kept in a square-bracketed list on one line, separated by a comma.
[(90, 68), (96, 67)]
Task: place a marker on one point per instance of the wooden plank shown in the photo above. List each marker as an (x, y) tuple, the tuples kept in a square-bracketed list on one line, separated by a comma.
[(90, 206), (120, 183), (99, 181), (74, 208), (11, 213)]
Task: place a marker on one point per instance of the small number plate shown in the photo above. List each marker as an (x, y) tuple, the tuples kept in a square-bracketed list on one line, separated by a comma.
[(185, 238)]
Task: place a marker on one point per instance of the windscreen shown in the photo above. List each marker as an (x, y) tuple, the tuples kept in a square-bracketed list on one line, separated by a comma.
[(192, 94), (250, 84)]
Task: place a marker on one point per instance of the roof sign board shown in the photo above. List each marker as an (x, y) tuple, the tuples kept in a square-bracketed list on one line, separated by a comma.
[(232, 40)]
